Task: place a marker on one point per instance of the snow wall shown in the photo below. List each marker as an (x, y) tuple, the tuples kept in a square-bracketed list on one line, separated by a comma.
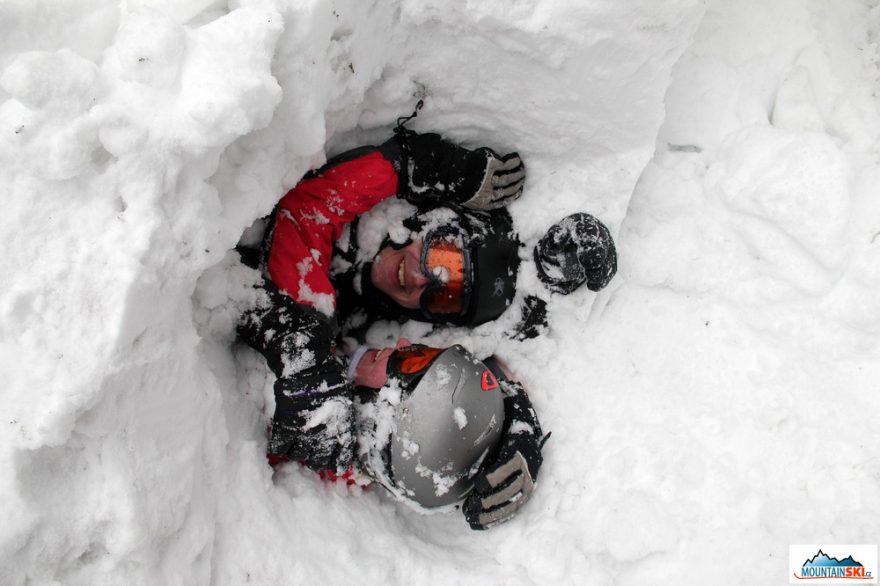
[(140, 139)]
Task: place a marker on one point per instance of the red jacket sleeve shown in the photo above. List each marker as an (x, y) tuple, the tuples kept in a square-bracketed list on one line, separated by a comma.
[(310, 218)]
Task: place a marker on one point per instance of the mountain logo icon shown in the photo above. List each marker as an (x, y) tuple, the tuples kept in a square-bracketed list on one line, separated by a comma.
[(823, 559)]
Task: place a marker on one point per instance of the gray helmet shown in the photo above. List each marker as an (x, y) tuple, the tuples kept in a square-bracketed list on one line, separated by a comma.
[(449, 416)]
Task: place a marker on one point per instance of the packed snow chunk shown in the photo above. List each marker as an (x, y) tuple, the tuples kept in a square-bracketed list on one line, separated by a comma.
[(64, 303), (17, 124), (443, 483), (333, 414), (636, 526), (226, 84), (798, 183), (795, 107), (298, 361), (61, 81), (410, 447), (84, 26), (460, 416), (180, 11), (441, 273), (148, 50), (718, 88), (385, 219), (49, 130)]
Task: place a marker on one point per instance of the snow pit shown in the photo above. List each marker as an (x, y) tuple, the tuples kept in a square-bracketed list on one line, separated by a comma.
[(714, 403)]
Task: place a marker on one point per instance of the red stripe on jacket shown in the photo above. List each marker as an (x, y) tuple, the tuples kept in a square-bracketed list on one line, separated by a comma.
[(310, 218)]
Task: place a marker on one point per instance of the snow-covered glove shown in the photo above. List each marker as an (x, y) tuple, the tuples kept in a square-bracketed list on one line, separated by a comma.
[(436, 171), (314, 426), (576, 250), (313, 419), (506, 483)]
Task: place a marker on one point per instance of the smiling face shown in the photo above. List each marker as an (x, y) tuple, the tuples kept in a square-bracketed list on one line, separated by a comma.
[(398, 274)]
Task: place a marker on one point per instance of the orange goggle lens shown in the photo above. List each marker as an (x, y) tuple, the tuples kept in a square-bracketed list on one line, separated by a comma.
[(444, 262), (412, 359)]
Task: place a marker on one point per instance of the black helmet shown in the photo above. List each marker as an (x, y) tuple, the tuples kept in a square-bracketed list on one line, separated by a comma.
[(425, 434)]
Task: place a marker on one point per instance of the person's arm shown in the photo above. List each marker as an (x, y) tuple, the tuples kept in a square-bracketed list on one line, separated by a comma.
[(310, 218), (422, 168), (506, 483), (313, 421), (436, 171)]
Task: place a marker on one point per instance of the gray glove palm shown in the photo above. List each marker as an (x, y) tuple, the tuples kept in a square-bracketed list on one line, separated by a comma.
[(499, 494), (502, 181)]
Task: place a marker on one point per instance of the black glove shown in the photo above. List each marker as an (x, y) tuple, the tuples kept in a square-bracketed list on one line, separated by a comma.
[(434, 170), (504, 485), (576, 250), (329, 445), (313, 419)]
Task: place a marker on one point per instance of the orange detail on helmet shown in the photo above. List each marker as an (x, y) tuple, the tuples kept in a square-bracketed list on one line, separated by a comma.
[(414, 359)]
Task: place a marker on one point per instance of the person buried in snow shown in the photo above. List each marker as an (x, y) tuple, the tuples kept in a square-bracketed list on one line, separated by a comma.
[(434, 276), (456, 256), (446, 427), (458, 266), (432, 426), (456, 263)]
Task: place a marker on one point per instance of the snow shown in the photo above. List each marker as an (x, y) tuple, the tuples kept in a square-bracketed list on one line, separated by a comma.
[(460, 417), (712, 404), (443, 483)]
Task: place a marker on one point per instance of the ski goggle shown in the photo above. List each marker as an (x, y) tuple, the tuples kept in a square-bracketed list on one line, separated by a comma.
[(446, 262), (408, 364)]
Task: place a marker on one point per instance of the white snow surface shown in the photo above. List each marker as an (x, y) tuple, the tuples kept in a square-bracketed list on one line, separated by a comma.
[(714, 403)]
